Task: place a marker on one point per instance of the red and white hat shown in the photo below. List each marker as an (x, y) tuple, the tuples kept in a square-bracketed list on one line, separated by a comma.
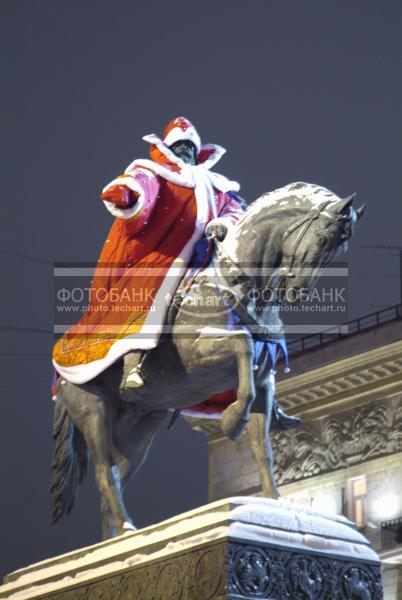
[(181, 129)]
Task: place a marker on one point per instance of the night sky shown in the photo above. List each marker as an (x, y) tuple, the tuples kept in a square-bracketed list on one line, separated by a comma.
[(295, 90)]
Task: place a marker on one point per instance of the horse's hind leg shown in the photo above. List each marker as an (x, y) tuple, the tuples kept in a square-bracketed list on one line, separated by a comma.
[(132, 438), (237, 415), (108, 524), (133, 444), (258, 434), (93, 414)]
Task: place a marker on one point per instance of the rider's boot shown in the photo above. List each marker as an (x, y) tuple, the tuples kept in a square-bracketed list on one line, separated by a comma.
[(280, 420), (132, 375)]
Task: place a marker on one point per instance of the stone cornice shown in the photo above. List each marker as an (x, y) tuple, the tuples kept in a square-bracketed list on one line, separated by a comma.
[(334, 387), (348, 382)]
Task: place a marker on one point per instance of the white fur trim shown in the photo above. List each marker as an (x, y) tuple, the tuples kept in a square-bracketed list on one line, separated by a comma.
[(177, 134), (204, 189), (188, 412), (154, 320), (127, 181), (218, 152), (152, 138), (125, 213), (186, 177), (183, 178), (220, 182), (214, 331)]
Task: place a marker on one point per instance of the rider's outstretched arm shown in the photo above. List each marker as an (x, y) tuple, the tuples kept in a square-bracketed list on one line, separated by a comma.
[(132, 197)]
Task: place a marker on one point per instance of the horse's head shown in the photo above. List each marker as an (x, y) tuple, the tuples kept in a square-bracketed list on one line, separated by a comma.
[(286, 236), (313, 239)]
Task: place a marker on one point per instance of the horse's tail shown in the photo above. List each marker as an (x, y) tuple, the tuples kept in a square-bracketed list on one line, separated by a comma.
[(69, 464)]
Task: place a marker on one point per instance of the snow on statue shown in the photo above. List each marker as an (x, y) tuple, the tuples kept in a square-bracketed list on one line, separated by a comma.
[(111, 402), (162, 208)]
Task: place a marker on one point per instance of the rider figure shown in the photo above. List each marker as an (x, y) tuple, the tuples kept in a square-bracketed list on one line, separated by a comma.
[(162, 206)]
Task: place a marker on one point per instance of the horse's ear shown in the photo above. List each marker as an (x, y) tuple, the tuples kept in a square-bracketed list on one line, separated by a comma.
[(360, 210), (341, 207)]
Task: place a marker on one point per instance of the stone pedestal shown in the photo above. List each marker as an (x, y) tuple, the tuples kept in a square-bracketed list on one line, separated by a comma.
[(239, 548)]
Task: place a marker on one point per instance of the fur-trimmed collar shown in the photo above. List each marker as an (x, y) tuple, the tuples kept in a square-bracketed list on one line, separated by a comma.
[(208, 155), (169, 166)]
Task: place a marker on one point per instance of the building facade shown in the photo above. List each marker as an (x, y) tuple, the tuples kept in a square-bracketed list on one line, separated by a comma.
[(346, 458)]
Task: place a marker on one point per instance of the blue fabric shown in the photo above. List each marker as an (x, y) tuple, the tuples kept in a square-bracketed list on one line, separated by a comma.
[(282, 345), (202, 254), (273, 347), (243, 203)]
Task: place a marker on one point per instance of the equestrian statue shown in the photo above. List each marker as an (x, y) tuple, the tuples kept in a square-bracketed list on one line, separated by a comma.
[(187, 320)]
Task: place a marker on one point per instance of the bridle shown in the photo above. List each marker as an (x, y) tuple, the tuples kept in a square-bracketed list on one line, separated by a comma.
[(302, 223), (240, 284), (230, 278)]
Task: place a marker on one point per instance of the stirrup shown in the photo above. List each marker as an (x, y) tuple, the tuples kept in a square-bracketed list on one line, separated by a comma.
[(133, 380)]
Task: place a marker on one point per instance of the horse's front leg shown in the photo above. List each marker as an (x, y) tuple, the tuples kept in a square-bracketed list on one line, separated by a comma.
[(258, 434), (237, 415)]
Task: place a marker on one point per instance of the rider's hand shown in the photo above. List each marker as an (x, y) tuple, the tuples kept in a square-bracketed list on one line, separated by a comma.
[(120, 196), (216, 230)]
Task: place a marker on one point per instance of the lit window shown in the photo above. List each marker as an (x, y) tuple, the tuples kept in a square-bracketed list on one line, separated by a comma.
[(356, 501)]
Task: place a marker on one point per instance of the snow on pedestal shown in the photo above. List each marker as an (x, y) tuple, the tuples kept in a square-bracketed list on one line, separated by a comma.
[(237, 548)]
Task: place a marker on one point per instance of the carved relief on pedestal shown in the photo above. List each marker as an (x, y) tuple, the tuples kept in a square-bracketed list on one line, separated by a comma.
[(339, 441), (252, 572), (170, 583), (198, 575), (357, 581), (103, 590), (265, 572), (306, 578), (207, 575)]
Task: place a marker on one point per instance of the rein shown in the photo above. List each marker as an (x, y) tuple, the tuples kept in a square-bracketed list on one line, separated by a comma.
[(283, 271), (307, 221), (241, 280)]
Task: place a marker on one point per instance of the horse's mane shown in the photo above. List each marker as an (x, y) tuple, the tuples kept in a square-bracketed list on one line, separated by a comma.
[(283, 203), (299, 195)]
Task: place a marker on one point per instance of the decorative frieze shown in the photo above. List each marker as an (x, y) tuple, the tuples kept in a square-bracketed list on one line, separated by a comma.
[(338, 441), (277, 574), (196, 575), (238, 571)]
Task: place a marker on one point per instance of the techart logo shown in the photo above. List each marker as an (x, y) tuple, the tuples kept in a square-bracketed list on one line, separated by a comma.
[(206, 301)]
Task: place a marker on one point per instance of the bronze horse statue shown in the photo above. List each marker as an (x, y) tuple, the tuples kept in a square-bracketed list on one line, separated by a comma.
[(281, 242)]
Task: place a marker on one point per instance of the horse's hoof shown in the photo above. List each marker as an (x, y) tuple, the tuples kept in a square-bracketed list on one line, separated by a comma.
[(271, 494), (233, 424), (128, 528)]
